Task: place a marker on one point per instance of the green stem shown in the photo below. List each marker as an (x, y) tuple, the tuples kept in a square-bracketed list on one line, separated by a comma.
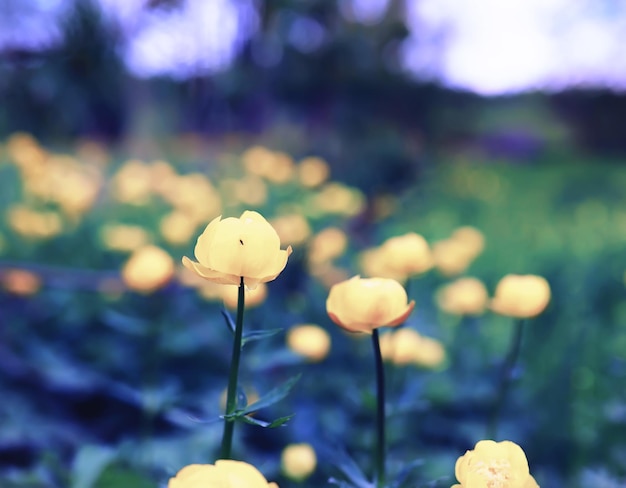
[(231, 396), (380, 412), (505, 377)]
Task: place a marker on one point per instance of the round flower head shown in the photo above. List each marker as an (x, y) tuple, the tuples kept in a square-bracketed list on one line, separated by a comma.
[(364, 304), (309, 341), (298, 461), (494, 465), (148, 269), (465, 296), (224, 474), (247, 247), (521, 296)]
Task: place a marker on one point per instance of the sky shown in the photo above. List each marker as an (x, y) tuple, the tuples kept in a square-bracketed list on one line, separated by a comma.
[(490, 47)]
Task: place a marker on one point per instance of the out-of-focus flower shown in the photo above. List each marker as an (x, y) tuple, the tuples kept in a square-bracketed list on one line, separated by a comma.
[(465, 296), (494, 464), (452, 256), (364, 304), (20, 282), (125, 238), (250, 190), (148, 269), (225, 473), (406, 346), (132, 183), (195, 195), (326, 245), (177, 227), (309, 341), (25, 152), (32, 223), (338, 199), (298, 461), (521, 296), (327, 273), (406, 255), (234, 248), (313, 172), (230, 295), (293, 229), (277, 167)]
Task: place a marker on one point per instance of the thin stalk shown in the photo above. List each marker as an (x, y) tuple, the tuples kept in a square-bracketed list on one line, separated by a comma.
[(505, 377), (380, 412), (231, 395)]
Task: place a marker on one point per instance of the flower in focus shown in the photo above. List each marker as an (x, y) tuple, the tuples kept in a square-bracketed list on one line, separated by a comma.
[(234, 248), (364, 304), (309, 341), (230, 295), (148, 269), (465, 296), (298, 461), (494, 465), (521, 296), (406, 346), (225, 473)]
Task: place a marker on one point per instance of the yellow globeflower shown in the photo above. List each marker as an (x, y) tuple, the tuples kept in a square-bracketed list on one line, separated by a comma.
[(521, 296), (234, 248), (309, 340), (465, 296), (298, 461), (407, 255), (364, 304), (313, 172), (225, 473), (293, 229), (326, 245), (148, 269), (494, 465), (406, 346)]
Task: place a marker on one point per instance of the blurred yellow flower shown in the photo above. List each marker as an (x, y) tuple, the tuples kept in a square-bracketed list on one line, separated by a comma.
[(454, 255), (494, 464), (234, 248), (309, 341), (121, 237), (406, 255), (471, 237), (326, 245), (177, 227), (20, 281), (521, 296), (313, 172), (225, 473), (406, 346), (148, 269), (364, 304), (195, 195), (32, 223), (277, 167), (298, 461), (465, 296), (132, 183), (230, 295), (293, 229), (339, 199)]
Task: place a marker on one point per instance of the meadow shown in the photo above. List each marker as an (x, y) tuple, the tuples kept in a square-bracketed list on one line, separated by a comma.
[(114, 357)]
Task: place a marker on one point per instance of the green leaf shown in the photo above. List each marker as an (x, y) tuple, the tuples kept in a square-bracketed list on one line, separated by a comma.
[(279, 422), (229, 320), (257, 335), (273, 396)]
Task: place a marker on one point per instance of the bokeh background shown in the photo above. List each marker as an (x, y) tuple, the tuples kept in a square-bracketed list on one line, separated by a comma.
[(133, 123)]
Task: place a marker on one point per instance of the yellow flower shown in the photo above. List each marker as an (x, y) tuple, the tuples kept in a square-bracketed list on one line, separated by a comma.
[(148, 269), (121, 237), (313, 172), (293, 229), (465, 296), (494, 465), (234, 248), (309, 340), (521, 296), (298, 461), (326, 245), (225, 473), (406, 346), (20, 281), (407, 255), (364, 304)]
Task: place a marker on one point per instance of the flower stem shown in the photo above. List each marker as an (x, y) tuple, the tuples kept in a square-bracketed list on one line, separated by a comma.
[(231, 396), (505, 377), (380, 412)]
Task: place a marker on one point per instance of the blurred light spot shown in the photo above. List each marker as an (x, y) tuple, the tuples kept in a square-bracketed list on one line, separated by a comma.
[(364, 11), (306, 34)]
